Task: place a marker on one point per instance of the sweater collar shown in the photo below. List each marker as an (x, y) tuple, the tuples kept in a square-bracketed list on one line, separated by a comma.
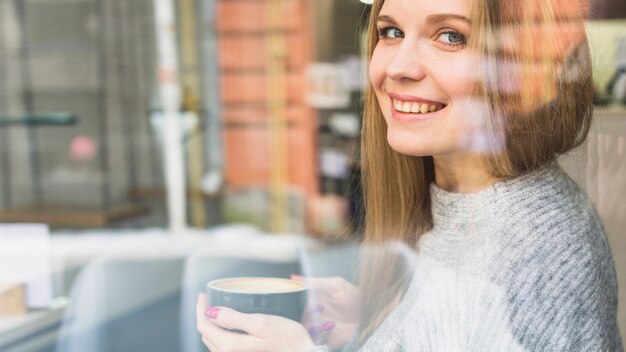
[(460, 213), (466, 213)]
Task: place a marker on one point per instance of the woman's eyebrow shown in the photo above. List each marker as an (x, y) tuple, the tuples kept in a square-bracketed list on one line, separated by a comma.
[(385, 18), (430, 20), (437, 18)]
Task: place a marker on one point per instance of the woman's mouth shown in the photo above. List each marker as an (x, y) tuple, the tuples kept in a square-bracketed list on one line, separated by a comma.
[(415, 107), (409, 108)]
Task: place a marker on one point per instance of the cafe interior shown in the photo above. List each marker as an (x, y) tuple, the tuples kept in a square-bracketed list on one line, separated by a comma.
[(150, 146)]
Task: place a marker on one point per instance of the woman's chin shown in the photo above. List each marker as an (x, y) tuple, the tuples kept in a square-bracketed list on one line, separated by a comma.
[(407, 147), (425, 142)]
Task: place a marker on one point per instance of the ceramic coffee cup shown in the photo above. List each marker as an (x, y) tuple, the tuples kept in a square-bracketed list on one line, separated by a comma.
[(264, 295)]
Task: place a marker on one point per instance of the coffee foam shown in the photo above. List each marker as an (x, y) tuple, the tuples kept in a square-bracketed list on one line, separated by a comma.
[(258, 285)]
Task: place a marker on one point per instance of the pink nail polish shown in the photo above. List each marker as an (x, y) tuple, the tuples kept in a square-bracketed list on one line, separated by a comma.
[(329, 325), (213, 314), (211, 311)]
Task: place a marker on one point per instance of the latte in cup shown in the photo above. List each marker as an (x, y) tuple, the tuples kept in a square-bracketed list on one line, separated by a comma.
[(264, 295), (258, 285)]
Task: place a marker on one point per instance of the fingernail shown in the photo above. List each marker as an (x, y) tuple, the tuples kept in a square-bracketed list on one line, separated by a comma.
[(296, 277), (329, 325), (211, 312)]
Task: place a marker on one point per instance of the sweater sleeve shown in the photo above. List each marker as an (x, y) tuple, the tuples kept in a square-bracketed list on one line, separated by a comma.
[(563, 293)]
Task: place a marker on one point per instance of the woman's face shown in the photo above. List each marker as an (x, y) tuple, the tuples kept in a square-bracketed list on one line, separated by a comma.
[(423, 73)]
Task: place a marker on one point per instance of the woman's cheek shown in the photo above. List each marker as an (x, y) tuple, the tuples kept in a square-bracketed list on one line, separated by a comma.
[(377, 69), (460, 76), (456, 82)]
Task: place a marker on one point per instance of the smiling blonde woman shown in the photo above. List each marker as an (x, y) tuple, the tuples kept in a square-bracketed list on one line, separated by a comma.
[(469, 106)]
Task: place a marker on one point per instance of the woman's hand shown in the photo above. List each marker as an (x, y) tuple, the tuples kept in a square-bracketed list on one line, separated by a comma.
[(264, 332), (334, 310)]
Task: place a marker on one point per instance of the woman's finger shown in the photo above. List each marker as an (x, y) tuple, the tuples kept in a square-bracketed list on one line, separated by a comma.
[(201, 301), (316, 315), (218, 339), (253, 324), (211, 332), (321, 288), (209, 345), (202, 310), (215, 337), (314, 307), (319, 333)]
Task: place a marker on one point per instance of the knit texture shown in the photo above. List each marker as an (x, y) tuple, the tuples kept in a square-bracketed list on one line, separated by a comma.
[(523, 265)]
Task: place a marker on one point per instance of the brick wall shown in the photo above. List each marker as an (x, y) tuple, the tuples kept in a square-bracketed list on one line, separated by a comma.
[(243, 28)]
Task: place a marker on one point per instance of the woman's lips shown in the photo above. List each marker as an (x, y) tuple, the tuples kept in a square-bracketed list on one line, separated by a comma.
[(411, 99)]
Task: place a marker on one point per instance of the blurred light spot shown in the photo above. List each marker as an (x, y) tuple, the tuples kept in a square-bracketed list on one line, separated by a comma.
[(83, 148)]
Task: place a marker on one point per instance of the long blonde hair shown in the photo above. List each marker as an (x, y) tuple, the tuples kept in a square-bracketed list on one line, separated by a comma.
[(531, 130)]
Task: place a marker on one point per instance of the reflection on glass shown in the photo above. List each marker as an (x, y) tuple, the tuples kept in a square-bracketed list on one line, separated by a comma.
[(434, 175)]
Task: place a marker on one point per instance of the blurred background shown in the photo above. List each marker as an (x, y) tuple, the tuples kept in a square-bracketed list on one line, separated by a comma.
[(268, 112), (149, 145)]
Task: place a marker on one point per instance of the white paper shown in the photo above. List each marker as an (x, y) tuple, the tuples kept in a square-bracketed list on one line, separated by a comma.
[(25, 258)]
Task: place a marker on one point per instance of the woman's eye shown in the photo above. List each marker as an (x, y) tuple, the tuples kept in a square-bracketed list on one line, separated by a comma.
[(390, 33), (452, 38)]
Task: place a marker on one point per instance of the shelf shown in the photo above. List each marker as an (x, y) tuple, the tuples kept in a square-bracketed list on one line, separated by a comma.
[(40, 119), (69, 216)]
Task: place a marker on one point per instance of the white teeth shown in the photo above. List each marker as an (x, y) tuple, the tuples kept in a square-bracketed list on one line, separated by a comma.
[(414, 107)]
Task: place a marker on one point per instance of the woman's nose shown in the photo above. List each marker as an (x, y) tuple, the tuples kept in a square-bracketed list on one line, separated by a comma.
[(406, 64)]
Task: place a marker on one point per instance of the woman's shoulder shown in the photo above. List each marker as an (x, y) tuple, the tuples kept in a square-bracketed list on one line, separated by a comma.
[(550, 225), (545, 205), (554, 262)]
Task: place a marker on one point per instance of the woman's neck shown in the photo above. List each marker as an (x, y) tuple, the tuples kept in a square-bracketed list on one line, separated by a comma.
[(461, 173)]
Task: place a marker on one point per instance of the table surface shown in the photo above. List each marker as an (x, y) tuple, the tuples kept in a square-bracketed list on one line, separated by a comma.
[(21, 328)]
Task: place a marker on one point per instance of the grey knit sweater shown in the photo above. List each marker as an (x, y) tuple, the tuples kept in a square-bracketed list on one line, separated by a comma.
[(522, 265)]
